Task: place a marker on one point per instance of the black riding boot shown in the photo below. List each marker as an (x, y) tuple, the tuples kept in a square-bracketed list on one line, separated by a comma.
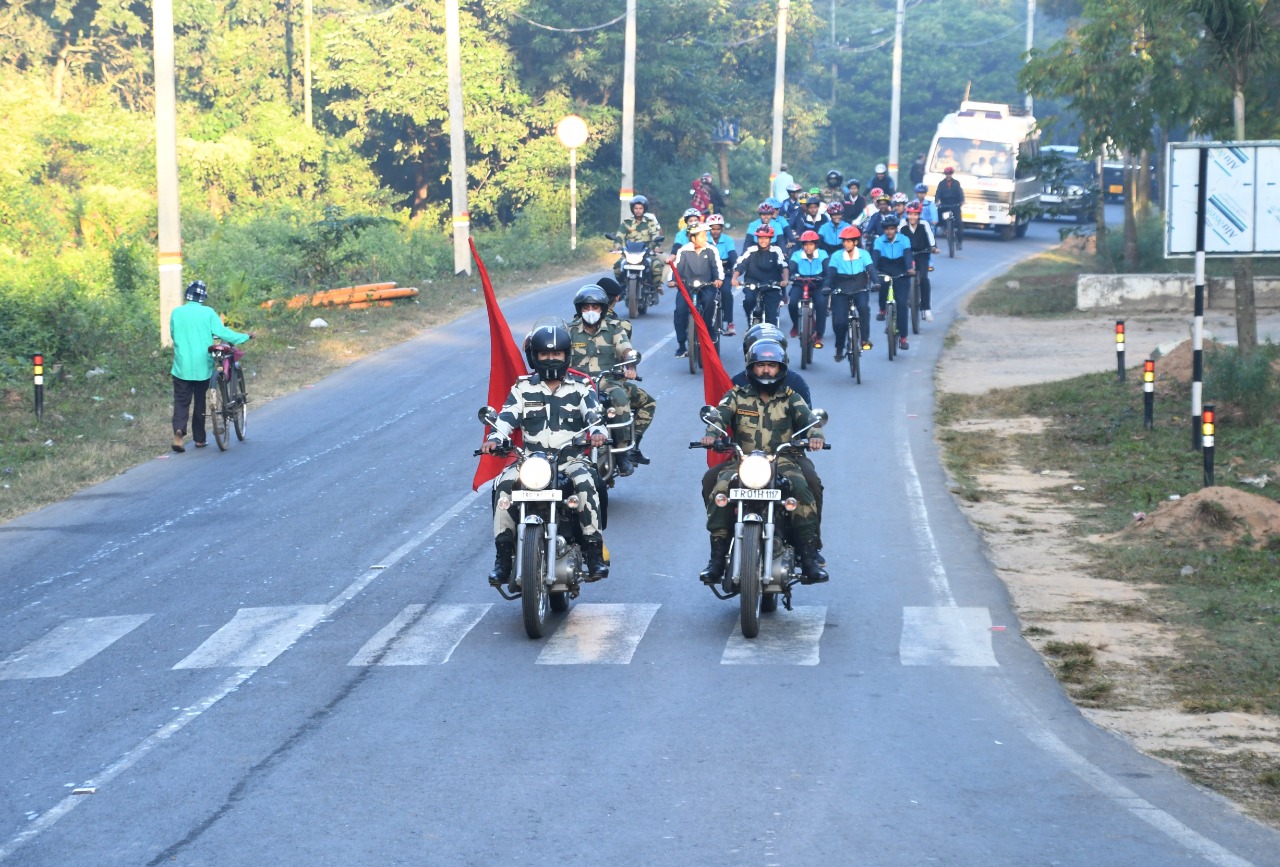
[(623, 462), (714, 572), (637, 457), (808, 551), (506, 553), (593, 553)]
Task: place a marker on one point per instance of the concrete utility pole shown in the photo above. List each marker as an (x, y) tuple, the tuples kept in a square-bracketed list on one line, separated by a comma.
[(170, 228), (627, 190), (1031, 33), (457, 141), (306, 62), (895, 110), (779, 82)]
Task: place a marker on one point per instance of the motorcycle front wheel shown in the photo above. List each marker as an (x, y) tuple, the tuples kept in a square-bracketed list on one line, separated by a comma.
[(633, 298), (750, 577), (533, 590)]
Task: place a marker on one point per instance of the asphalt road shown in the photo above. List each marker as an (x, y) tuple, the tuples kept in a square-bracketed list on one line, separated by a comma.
[(288, 653)]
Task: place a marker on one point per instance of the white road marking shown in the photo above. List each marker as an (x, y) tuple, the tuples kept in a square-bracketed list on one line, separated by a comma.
[(254, 637), (596, 634), (786, 638), (946, 636), (68, 645), (920, 521), (413, 638), (50, 817)]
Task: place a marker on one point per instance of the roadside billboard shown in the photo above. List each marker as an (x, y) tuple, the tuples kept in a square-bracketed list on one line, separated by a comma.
[(1241, 202)]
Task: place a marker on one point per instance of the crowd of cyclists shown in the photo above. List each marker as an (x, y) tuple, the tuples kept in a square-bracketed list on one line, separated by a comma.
[(831, 240)]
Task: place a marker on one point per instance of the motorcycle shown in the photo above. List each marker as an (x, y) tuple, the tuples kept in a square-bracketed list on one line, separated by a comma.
[(635, 269), (762, 562), (603, 456), (550, 568)]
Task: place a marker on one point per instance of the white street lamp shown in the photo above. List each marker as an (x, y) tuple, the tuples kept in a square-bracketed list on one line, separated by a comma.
[(571, 132)]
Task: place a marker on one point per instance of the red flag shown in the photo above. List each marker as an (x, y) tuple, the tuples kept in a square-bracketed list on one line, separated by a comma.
[(715, 382), (506, 364)]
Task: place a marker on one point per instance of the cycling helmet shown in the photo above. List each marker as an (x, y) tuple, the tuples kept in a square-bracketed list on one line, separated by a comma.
[(835, 208), (766, 350), (715, 220), (922, 188), (854, 183), (590, 294), (763, 331), (764, 232), (876, 192), (813, 200), (694, 229), (881, 168), (639, 200), (815, 191), (197, 291), (948, 171), (774, 203), (548, 336), (889, 222), (611, 287), (883, 197), (765, 208), (809, 237), (834, 178), (850, 233), (794, 188), (899, 198), (914, 208), (706, 176), (692, 213)]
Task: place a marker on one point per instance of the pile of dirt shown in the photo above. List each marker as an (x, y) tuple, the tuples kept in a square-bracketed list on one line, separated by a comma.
[(1177, 365), (1210, 518), (1086, 244)]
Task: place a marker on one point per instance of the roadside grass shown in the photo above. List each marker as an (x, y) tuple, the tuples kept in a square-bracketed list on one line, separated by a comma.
[(1248, 777), (1046, 286), (98, 425)]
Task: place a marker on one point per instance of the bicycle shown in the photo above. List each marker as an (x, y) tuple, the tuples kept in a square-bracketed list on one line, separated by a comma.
[(890, 318), (228, 401), (913, 302), (712, 322), (807, 324), (757, 315), (949, 218), (853, 339)]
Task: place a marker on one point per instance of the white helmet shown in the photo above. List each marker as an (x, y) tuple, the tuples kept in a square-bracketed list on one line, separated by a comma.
[(881, 168)]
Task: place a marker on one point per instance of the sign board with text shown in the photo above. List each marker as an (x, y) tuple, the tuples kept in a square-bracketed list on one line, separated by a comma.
[(1241, 202)]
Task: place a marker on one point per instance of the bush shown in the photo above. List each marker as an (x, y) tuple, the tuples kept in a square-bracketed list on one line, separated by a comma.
[(1245, 382)]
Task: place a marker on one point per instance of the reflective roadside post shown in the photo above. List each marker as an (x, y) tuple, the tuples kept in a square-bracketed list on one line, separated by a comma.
[(1120, 349), (37, 364), (1149, 394), (1207, 419), (571, 132)]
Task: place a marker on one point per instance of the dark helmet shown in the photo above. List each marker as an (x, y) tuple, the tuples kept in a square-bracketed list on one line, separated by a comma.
[(762, 331), (854, 182), (834, 178), (767, 350), (890, 222), (590, 294), (611, 287), (197, 291), (548, 336), (813, 200), (639, 200)]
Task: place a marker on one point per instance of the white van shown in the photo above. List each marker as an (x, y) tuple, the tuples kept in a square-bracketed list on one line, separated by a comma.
[(985, 143)]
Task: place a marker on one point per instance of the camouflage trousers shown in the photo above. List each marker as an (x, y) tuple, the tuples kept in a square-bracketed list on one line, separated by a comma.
[(804, 520), (584, 485), (642, 405), (614, 394)]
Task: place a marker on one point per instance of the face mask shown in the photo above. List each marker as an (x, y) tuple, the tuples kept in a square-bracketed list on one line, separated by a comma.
[(591, 317)]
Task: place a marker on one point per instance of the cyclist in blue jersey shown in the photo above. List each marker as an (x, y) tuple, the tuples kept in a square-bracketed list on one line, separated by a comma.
[(928, 210), (728, 251), (892, 256), (829, 233), (768, 212), (809, 261), (850, 275)]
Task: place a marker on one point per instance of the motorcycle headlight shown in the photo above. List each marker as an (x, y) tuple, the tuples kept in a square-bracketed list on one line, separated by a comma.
[(754, 471), (535, 473), (634, 258)]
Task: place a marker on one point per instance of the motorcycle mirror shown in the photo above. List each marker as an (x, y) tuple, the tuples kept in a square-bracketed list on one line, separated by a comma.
[(594, 417), (487, 414), (822, 415), (709, 415), (660, 238), (611, 236)]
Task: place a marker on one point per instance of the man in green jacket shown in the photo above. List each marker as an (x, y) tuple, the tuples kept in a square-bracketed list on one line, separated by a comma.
[(193, 327)]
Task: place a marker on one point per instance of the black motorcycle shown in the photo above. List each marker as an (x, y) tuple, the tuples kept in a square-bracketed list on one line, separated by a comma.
[(762, 561), (550, 568), (635, 272)]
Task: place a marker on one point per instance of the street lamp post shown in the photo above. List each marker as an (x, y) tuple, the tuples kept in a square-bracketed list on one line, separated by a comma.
[(571, 132)]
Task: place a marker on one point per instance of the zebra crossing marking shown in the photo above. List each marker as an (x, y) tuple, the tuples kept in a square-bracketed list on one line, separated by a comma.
[(946, 636), (602, 633), (415, 638), (786, 638), (254, 637), (68, 645)]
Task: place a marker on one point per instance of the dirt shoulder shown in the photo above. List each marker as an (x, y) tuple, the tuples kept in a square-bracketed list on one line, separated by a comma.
[(1029, 528)]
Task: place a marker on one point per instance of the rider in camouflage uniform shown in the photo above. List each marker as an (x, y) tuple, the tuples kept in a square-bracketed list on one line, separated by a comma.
[(550, 408), (762, 415), (641, 226), (598, 346), (643, 405)]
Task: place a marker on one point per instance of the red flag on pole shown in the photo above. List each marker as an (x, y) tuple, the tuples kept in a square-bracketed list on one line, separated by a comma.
[(506, 364), (715, 382)]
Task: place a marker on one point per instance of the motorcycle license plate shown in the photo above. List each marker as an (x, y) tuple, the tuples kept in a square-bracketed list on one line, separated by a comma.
[(537, 496), (633, 267), (749, 494)]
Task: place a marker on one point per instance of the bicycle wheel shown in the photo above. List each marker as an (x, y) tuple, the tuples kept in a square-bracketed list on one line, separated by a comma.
[(217, 413), (806, 336), (951, 238), (693, 346), (914, 302), (855, 349), (891, 328), (240, 409)]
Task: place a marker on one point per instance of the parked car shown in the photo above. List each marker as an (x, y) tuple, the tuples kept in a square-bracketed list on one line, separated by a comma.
[(1070, 185)]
